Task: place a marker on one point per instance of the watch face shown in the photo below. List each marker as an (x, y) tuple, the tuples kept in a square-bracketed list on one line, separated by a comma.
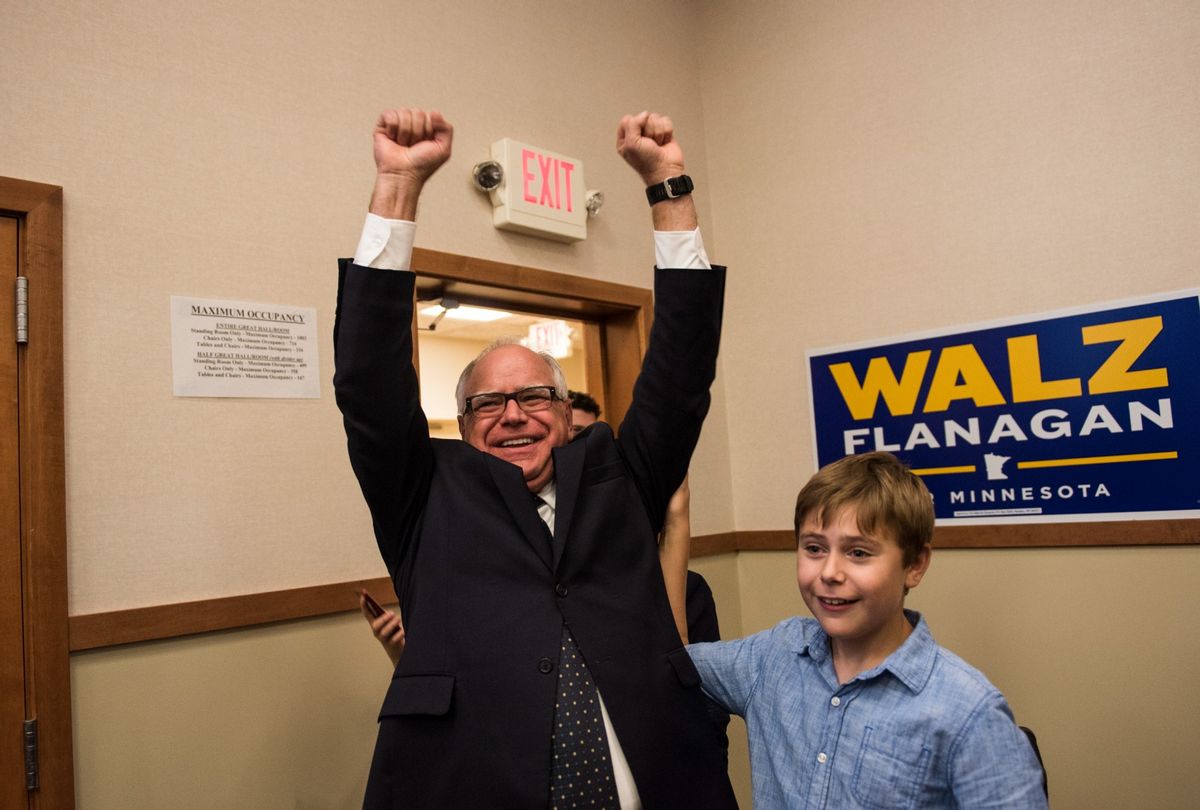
[(680, 185)]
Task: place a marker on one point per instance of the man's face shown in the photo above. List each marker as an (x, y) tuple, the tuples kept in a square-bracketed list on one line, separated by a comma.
[(580, 420), (521, 438), (854, 583)]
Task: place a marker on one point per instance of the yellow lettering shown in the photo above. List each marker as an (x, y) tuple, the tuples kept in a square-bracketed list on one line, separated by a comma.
[(1025, 369), (880, 381), (1134, 336), (961, 362)]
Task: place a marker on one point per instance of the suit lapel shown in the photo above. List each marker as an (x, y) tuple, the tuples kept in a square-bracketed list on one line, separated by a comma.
[(516, 497), (568, 473)]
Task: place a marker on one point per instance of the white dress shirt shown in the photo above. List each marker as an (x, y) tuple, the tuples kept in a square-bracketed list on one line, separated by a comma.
[(387, 244)]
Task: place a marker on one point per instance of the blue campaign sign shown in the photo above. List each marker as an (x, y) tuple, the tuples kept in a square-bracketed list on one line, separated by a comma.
[(1082, 415)]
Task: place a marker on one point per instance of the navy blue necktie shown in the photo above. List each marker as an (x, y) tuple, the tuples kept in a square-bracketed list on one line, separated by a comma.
[(581, 773)]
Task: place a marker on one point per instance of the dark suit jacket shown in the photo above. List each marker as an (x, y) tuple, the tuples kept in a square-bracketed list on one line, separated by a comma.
[(702, 625), (466, 721)]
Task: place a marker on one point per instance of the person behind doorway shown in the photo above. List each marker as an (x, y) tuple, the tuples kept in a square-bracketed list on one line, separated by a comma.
[(585, 411)]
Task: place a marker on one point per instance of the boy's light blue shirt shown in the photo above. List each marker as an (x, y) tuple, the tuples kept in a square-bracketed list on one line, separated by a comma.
[(922, 729)]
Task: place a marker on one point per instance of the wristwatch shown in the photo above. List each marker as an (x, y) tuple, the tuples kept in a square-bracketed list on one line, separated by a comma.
[(669, 189)]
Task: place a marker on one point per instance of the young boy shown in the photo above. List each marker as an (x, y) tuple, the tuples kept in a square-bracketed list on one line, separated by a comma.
[(860, 707)]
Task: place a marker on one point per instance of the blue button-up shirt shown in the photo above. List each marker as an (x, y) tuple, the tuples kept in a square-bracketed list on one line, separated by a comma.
[(922, 729)]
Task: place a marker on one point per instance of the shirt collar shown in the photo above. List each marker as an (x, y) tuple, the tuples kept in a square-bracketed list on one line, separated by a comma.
[(549, 494), (911, 663)]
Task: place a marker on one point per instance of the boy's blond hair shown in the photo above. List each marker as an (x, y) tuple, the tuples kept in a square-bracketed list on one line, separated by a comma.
[(886, 495)]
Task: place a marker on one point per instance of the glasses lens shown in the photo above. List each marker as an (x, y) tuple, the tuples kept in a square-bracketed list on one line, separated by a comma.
[(534, 399), (529, 399), (487, 404)]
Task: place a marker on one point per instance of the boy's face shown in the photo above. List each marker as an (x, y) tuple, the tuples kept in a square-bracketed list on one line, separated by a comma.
[(854, 584)]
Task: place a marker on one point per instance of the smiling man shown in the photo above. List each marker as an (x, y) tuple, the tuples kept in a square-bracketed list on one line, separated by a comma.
[(542, 666), (524, 426)]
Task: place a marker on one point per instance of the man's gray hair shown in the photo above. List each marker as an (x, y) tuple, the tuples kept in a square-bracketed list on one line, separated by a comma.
[(460, 391)]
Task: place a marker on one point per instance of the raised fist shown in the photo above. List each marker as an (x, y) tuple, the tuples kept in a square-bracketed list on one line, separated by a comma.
[(647, 142), (411, 144)]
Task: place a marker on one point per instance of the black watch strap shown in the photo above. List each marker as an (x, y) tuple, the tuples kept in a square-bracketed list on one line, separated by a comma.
[(669, 189)]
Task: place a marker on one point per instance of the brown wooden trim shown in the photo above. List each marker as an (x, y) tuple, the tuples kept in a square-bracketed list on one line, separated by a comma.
[(1051, 535), (97, 630), (1028, 535), (43, 487), (171, 621), (570, 295), (593, 353), (12, 617), (730, 542)]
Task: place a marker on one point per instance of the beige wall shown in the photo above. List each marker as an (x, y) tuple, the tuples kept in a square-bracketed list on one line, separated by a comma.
[(867, 169), (271, 718), (882, 168)]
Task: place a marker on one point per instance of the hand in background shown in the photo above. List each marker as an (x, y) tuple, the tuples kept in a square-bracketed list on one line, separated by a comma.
[(388, 629)]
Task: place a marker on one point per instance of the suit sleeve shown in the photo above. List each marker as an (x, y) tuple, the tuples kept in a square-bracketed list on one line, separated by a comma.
[(376, 389), (671, 396)]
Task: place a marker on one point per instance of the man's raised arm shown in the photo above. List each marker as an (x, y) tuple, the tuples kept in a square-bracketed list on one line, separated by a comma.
[(374, 381), (671, 396)]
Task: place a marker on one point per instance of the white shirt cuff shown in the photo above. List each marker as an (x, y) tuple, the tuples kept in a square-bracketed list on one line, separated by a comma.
[(386, 243), (683, 249)]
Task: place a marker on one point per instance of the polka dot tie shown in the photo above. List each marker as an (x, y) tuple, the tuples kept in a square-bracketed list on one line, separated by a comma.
[(581, 773)]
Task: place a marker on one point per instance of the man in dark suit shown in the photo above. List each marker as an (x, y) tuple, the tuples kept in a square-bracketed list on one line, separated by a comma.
[(501, 591)]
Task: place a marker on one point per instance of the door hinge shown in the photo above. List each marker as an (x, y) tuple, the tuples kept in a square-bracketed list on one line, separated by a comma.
[(22, 309), (31, 755)]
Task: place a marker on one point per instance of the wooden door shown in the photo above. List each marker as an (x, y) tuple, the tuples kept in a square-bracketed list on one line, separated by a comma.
[(35, 676), (12, 645)]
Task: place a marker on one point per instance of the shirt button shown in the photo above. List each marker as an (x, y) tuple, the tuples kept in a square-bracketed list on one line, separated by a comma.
[(545, 666), (822, 758), (560, 589), (837, 701)]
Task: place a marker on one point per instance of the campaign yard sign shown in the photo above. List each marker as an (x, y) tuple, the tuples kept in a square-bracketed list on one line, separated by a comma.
[(1081, 415)]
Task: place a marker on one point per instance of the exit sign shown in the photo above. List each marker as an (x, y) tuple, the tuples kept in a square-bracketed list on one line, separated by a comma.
[(543, 193)]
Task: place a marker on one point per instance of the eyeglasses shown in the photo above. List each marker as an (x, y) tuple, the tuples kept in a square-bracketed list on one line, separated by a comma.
[(534, 398)]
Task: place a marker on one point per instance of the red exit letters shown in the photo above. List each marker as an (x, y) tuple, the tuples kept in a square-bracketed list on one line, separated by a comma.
[(554, 187)]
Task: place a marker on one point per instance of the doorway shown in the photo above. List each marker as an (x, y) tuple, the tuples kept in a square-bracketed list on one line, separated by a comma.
[(35, 681), (607, 324)]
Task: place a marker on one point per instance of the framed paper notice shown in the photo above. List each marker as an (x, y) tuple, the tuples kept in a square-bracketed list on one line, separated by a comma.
[(243, 349)]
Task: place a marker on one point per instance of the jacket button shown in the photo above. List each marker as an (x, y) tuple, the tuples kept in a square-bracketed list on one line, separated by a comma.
[(560, 589), (545, 666)]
